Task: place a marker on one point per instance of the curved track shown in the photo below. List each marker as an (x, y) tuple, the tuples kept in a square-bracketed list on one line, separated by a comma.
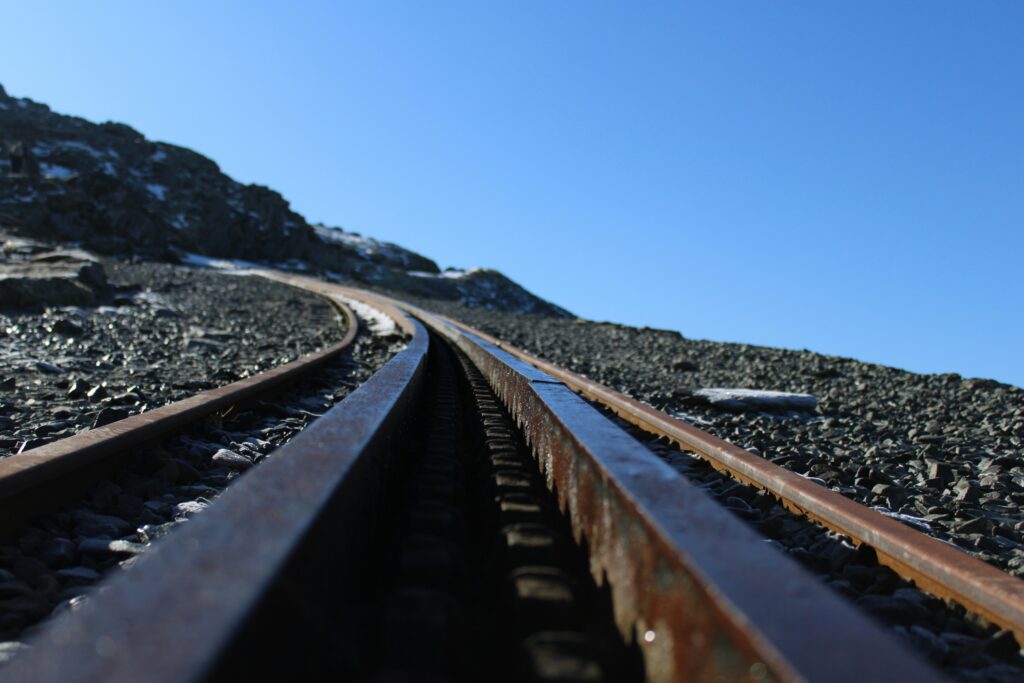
[(688, 588), (41, 478), (936, 567)]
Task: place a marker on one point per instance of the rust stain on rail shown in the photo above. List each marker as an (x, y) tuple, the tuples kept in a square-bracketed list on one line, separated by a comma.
[(932, 565), (175, 616), (694, 586), (690, 583), (63, 460)]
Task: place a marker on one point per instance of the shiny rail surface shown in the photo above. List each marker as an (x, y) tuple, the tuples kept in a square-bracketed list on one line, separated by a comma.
[(697, 591), (935, 567), (38, 479)]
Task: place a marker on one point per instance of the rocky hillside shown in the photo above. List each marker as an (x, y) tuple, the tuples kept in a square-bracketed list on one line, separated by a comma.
[(107, 188)]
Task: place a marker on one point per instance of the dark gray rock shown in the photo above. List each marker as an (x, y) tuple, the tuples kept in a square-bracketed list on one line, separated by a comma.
[(56, 278), (232, 460), (108, 415), (78, 574), (49, 368), (58, 552), (91, 524)]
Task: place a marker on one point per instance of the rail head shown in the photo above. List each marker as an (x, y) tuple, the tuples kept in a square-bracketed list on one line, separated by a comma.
[(936, 567), (701, 593), (21, 474), (197, 587)]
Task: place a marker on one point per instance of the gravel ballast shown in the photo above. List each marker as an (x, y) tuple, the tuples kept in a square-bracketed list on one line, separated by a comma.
[(163, 333), (57, 560), (963, 644), (942, 452), (908, 445)]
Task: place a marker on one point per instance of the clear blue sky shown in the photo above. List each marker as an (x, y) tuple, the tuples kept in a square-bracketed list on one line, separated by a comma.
[(841, 176)]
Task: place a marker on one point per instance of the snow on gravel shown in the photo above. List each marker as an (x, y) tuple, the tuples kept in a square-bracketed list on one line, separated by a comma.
[(235, 266), (365, 246), (377, 321), (56, 172), (158, 191), (450, 273)]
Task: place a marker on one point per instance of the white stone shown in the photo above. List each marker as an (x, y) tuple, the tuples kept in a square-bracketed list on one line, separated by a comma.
[(756, 399)]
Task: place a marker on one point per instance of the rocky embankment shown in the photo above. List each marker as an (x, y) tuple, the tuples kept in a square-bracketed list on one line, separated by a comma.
[(107, 188), (57, 560), (941, 452), (97, 340)]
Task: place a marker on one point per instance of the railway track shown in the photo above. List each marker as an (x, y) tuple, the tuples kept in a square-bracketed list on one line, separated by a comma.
[(466, 514)]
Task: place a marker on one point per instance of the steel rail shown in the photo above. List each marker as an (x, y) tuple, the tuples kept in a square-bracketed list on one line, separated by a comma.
[(700, 592), (199, 593), (934, 566), (60, 465)]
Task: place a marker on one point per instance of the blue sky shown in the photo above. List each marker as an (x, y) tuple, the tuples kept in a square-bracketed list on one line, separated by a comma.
[(843, 177)]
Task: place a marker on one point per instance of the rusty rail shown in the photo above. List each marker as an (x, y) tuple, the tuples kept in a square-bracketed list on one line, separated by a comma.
[(703, 596), (696, 589), (934, 566), (61, 466), (205, 590)]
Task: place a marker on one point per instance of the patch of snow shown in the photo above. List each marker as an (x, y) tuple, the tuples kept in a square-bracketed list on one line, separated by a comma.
[(365, 246), (158, 191), (158, 156), (79, 147), (692, 419), (180, 221), (56, 172), (45, 149), (113, 310), (4, 106), (23, 104), (236, 265), (154, 300), (351, 239), (450, 274), (756, 399), (456, 273), (292, 264), (376, 321), (109, 169), (817, 480), (916, 522)]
